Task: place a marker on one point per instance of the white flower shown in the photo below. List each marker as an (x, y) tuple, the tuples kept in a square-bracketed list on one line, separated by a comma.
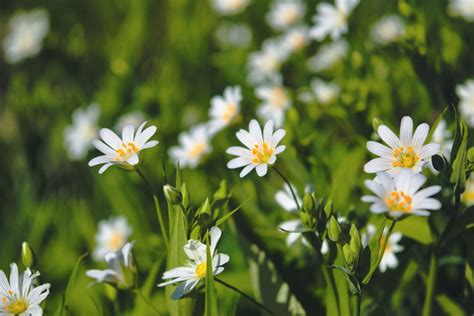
[(122, 152), (465, 93), (285, 13), (389, 259), (260, 149), (468, 196), (224, 109), (284, 198), (406, 152), (332, 20), (27, 31), (328, 55), (19, 296), (295, 39), (84, 128), (276, 101), (325, 92), (121, 269), (111, 236), (230, 35), (265, 64), (388, 29), (463, 8), (443, 136), (230, 7), (400, 195), (194, 145), (135, 118), (196, 268)]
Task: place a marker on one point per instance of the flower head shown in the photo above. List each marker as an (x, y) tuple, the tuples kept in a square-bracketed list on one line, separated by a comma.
[(295, 39), (79, 135), (196, 268), (265, 64), (111, 236), (260, 149), (230, 7), (401, 195), (27, 31), (285, 13), (19, 296), (124, 151), (406, 152), (465, 93), (230, 35), (276, 101), (388, 29), (389, 258), (194, 145), (121, 271), (332, 20), (328, 55), (325, 92), (463, 8), (135, 118), (224, 109)]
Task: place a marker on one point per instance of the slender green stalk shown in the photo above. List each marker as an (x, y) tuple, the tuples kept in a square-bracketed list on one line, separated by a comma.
[(251, 299), (147, 301), (289, 185), (431, 285), (157, 208), (357, 304), (385, 241)]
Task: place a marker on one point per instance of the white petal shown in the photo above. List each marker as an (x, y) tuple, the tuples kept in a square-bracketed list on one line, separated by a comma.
[(388, 136), (184, 289), (103, 147), (220, 259), (110, 138), (406, 131), (133, 160), (420, 135), (262, 169), (99, 160), (379, 149), (278, 136), (256, 131), (215, 234), (267, 132), (105, 167), (429, 150), (127, 133), (142, 138), (246, 170), (238, 163), (150, 144), (377, 165)]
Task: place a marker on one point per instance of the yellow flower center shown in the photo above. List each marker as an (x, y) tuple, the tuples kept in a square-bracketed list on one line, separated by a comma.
[(115, 241), (196, 150), (15, 306), (468, 197), (201, 270), (261, 154), (405, 158), (126, 151), (229, 112), (398, 201)]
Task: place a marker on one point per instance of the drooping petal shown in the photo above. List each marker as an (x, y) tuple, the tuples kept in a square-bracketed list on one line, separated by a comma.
[(99, 160), (246, 170), (262, 169), (105, 167)]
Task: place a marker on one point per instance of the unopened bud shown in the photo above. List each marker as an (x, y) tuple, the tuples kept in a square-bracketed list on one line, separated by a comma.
[(376, 123), (328, 208), (27, 255), (204, 213), (308, 203), (334, 231), (355, 242), (349, 256), (173, 196)]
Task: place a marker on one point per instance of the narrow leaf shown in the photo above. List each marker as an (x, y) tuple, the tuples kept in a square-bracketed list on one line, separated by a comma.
[(374, 247), (210, 308)]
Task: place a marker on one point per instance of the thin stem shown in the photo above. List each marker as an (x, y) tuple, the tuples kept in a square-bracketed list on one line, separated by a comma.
[(385, 241), (289, 185), (157, 208), (430, 287), (357, 303), (143, 297), (251, 299)]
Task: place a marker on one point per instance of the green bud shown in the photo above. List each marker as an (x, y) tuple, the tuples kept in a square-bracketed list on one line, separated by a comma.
[(308, 203), (328, 208), (334, 231), (185, 195), (204, 213), (376, 122), (172, 195), (27, 256), (355, 243), (349, 256), (221, 195)]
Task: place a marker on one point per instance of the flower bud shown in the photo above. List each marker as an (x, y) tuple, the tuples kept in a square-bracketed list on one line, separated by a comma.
[(308, 202), (204, 213), (328, 208), (172, 195), (334, 231), (355, 243), (349, 256), (27, 255), (376, 123)]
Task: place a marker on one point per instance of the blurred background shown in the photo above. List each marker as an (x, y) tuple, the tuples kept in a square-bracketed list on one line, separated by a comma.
[(162, 61)]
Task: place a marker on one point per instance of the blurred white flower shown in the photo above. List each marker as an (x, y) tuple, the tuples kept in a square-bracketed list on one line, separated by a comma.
[(122, 152), (284, 198), (328, 55), (135, 118), (389, 259), (224, 109), (406, 152), (265, 64), (465, 93), (229, 7), (196, 267), (285, 13), (84, 128), (233, 35), (19, 296), (121, 271), (324, 92), (295, 39), (332, 20), (388, 29), (275, 102), (463, 8), (111, 236), (27, 31), (401, 195), (260, 149), (442, 135), (193, 146), (468, 196)]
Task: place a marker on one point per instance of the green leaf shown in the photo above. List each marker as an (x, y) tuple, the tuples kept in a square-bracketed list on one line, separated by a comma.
[(459, 155), (354, 285), (416, 228), (63, 306), (436, 122), (210, 308), (226, 216), (374, 247), (449, 306)]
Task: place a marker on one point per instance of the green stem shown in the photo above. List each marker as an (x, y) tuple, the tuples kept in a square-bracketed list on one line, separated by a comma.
[(157, 208), (357, 303), (143, 297), (385, 241), (251, 299), (431, 285), (289, 185)]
